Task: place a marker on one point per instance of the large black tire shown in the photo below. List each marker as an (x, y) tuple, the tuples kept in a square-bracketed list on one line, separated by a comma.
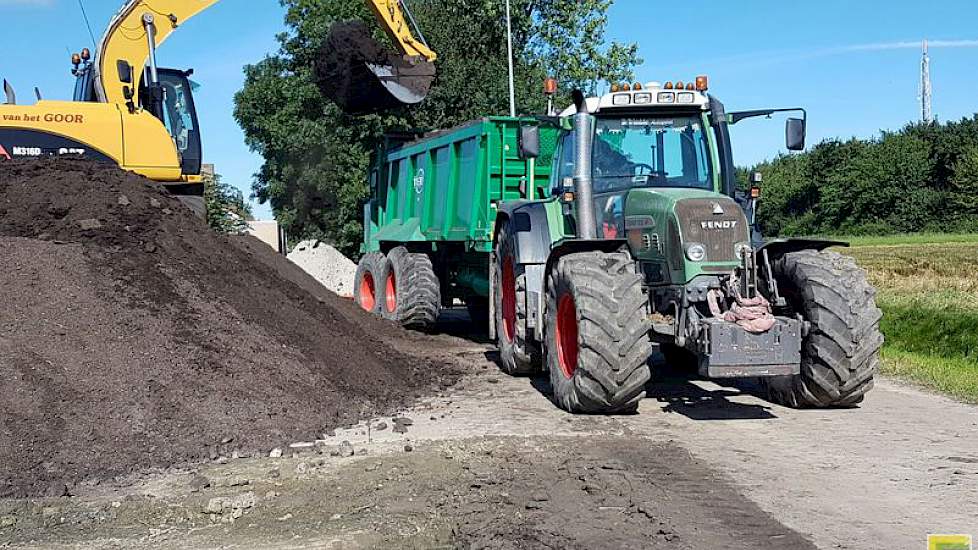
[(840, 354), (598, 347), (367, 281), (518, 356), (411, 293)]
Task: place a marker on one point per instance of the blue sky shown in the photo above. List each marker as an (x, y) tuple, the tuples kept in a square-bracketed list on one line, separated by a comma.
[(853, 65)]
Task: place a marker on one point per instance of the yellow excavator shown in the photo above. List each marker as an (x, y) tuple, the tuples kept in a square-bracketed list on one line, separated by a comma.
[(128, 111)]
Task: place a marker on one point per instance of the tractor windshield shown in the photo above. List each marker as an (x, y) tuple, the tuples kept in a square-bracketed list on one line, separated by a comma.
[(651, 152)]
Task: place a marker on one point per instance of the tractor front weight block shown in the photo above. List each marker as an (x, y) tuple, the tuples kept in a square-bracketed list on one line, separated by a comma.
[(729, 351)]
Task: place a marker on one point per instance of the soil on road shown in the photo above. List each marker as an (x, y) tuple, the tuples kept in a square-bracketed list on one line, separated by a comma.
[(493, 464)]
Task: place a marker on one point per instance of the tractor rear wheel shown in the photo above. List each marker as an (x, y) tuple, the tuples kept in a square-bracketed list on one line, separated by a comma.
[(598, 347), (366, 281), (840, 354), (410, 293), (517, 355)]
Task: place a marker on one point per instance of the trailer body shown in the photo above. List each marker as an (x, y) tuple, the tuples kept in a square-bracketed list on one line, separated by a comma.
[(440, 195)]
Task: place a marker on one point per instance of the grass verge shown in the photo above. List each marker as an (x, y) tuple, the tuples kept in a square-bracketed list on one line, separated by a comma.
[(928, 291)]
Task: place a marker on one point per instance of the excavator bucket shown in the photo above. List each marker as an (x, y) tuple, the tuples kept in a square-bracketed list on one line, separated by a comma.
[(357, 73)]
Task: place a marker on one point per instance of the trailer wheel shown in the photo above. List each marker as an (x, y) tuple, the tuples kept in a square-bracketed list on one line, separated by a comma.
[(598, 347), (366, 282), (840, 355), (411, 293), (517, 355)]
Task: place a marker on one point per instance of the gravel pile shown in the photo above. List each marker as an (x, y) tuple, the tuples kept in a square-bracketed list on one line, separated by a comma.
[(327, 265), (134, 337)]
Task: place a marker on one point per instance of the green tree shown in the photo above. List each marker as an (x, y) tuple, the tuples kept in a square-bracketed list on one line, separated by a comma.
[(568, 39), (964, 183), (227, 210), (316, 158), (923, 177)]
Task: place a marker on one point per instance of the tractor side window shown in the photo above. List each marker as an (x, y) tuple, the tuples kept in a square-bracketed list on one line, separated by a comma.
[(565, 164)]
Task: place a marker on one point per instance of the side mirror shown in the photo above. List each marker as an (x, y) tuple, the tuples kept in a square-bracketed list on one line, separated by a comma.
[(795, 134), (529, 142)]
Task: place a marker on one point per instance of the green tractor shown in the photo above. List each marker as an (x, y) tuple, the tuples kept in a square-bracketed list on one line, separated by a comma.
[(590, 239)]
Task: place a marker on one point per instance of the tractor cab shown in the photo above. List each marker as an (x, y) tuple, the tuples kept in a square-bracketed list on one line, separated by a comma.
[(661, 169)]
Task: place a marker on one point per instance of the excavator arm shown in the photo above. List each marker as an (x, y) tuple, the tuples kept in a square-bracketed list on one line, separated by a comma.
[(140, 26), (393, 17)]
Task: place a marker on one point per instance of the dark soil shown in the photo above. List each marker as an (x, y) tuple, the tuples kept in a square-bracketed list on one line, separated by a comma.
[(134, 337), (609, 493), (342, 73)]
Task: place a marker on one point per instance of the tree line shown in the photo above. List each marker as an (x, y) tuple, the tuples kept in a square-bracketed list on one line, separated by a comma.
[(921, 178)]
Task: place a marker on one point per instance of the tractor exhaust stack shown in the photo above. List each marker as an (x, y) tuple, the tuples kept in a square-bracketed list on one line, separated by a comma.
[(583, 184)]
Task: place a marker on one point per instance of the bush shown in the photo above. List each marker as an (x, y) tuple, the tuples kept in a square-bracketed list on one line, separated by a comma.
[(921, 178)]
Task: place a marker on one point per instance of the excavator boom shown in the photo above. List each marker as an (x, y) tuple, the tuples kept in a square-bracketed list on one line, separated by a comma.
[(126, 46), (353, 70)]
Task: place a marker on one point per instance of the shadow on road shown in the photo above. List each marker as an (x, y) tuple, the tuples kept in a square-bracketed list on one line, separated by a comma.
[(680, 395), (455, 322), (672, 385)]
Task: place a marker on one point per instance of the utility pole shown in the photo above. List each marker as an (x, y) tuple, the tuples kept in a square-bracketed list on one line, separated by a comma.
[(926, 115), (509, 50)]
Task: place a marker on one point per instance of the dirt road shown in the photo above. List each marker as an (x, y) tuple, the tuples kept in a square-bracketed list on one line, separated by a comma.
[(492, 464)]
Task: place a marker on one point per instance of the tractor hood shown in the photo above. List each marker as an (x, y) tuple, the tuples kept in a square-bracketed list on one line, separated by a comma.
[(662, 224)]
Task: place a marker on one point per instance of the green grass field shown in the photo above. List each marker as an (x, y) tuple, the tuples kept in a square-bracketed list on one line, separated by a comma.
[(928, 291)]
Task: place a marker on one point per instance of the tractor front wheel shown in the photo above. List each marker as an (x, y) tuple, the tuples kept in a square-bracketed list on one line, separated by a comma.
[(598, 345), (840, 354), (517, 354)]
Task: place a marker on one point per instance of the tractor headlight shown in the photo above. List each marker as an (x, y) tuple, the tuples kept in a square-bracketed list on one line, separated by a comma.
[(696, 252), (742, 249)]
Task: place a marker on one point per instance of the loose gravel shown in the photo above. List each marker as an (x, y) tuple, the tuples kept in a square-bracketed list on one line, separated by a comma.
[(327, 265)]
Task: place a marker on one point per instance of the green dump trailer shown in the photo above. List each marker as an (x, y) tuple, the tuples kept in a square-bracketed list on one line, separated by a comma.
[(584, 242), (433, 208)]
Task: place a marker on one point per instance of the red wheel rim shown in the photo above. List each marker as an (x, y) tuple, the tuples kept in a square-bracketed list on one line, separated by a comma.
[(567, 335), (368, 292), (390, 292), (509, 299)]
